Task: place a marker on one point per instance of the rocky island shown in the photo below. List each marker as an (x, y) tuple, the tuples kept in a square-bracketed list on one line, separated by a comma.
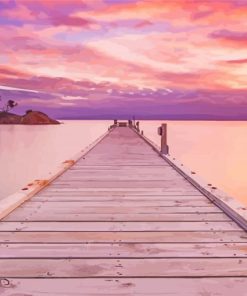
[(31, 117)]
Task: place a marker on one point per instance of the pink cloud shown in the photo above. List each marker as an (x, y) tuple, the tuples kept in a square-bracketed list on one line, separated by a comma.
[(197, 15), (20, 12), (235, 36), (6, 71), (71, 21), (143, 24), (240, 61)]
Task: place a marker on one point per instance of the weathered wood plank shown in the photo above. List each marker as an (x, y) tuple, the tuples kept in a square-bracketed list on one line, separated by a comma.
[(119, 184), (126, 287), (126, 155), (118, 226), (135, 171), (111, 209), (123, 250), (113, 165), (117, 162), (76, 215), (149, 175), (81, 268), (163, 166), (132, 200), (103, 160), (125, 190), (116, 202), (113, 178), (106, 194), (122, 237)]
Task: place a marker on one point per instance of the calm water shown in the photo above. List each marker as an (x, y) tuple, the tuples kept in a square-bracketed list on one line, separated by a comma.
[(215, 150), (29, 152)]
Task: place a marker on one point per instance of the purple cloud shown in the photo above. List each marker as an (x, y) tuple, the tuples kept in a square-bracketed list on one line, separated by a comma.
[(229, 35)]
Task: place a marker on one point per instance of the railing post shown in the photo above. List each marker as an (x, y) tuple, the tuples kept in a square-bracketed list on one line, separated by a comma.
[(162, 131), (138, 126)]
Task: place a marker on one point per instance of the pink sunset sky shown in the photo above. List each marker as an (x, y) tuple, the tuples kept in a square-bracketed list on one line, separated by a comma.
[(117, 58)]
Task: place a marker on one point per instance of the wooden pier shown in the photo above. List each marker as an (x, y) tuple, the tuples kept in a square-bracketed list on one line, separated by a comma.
[(122, 220)]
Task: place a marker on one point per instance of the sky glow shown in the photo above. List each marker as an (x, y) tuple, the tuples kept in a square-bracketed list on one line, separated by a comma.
[(106, 58)]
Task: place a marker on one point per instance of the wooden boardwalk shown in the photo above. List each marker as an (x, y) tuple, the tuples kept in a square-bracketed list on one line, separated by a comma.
[(121, 221)]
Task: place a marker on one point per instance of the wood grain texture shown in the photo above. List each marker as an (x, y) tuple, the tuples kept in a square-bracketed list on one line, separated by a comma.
[(117, 203), (109, 196), (118, 226), (122, 237), (103, 208), (84, 268), (123, 250), (121, 221), (125, 287), (149, 216)]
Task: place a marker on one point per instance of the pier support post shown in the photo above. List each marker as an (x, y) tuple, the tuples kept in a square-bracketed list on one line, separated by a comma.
[(162, 131)]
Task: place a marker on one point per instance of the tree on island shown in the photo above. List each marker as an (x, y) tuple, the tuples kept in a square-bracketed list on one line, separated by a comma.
[(31, 117), (10, 104)]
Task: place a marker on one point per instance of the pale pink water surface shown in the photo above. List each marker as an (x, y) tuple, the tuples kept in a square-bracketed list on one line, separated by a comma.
[(217, 151), (30, 152)]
